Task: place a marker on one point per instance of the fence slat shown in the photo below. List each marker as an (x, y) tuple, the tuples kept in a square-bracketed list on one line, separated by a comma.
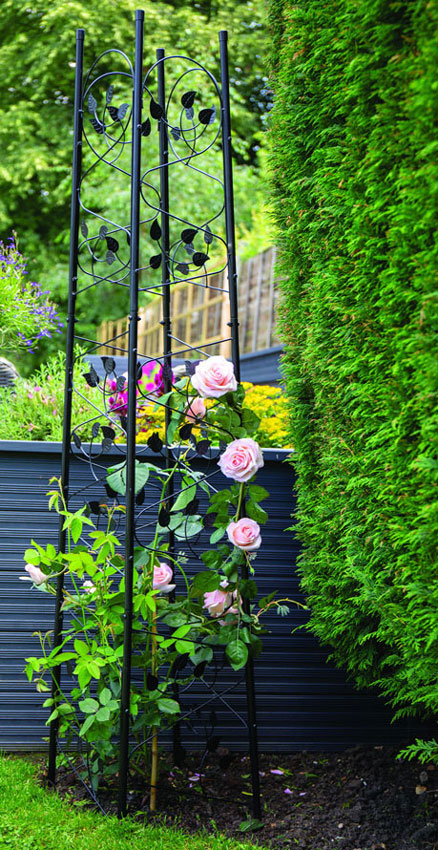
[(200, 314)]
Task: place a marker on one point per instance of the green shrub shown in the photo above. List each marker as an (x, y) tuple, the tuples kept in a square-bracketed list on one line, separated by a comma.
[(33, 409), (354, 159)]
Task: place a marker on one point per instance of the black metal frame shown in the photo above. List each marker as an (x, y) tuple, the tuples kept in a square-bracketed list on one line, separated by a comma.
[(168, 259)]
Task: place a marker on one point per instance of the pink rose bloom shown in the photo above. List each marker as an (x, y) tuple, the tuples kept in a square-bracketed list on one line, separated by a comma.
[(163, 575), (245, 534), (214, 377), (241, 459), (35, 574), (196, 409), (219, 602)]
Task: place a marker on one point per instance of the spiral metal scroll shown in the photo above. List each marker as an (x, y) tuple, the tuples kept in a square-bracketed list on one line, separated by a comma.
[(119, 114)]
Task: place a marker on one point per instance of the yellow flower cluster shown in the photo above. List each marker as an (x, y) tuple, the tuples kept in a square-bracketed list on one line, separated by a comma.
[(267, 402), (150, 421)]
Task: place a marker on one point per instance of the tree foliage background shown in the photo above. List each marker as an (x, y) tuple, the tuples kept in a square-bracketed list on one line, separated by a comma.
[(37, 73), (354, 155)]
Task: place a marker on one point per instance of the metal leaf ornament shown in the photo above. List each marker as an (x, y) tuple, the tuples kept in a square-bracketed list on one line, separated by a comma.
[(155, 230), (109, 364), (122, 110), (207, 116), (112, 244), (188, 235), (108, 432), (183, 268), (155, 261), (100, 128), (188, 99), (114, 112), (92, 104), (199, 258), (156, 110)]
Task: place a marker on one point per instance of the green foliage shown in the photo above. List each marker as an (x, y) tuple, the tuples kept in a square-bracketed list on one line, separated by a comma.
[(37, 72), (33, 409), (214, 610), (355, 174), (26, 314), (32, 818), (425, 751)]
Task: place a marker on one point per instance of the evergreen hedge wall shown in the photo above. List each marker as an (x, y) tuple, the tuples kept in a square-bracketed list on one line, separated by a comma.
[(354, 155)]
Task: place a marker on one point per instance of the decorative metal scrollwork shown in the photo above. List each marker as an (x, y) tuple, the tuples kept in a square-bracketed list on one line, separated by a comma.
[(120, 113)]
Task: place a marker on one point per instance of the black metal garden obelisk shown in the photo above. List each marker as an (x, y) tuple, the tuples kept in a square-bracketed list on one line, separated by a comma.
[(134, 229)]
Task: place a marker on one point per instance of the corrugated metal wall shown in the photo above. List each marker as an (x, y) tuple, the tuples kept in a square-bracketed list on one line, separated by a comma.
[(259, 367), (303, 701)]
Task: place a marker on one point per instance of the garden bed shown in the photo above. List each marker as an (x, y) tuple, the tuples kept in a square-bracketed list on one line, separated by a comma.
[(362, 799)]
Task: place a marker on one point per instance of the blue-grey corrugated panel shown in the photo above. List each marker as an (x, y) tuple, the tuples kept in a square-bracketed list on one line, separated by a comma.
[(303, 701), (258, 367), (262, 367)]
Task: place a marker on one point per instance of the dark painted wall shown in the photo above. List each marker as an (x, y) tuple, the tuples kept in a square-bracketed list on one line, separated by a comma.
[(303, 702)]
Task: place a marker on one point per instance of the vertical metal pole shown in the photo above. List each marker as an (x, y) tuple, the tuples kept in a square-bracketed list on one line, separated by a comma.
[(234, 324), (167, 316), (165, 238), (229, 202), (132, 401), (65, 468)]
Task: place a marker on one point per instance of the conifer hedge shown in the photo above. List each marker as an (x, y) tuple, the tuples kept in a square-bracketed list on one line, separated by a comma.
[(354, 156)]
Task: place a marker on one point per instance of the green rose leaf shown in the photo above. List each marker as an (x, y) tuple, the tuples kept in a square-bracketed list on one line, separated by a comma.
[(86, 724), (205, 653), (248, 588), (105, 696), (189, 528), (257, 493), (117, 476), (31, 556), (254, 511), (103, 714), (213, 560), (184, 498), (250, 420), (205, 582), (89, 705), (168, 706), (237, 654), (217, 535)]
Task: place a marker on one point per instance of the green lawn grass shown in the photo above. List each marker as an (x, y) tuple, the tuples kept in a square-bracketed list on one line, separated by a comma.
[(32, 818)]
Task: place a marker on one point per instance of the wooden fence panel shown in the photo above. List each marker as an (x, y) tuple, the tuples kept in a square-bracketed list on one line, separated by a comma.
[(200, 314)]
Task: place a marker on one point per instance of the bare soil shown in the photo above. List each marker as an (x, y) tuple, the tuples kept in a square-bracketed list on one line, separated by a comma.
[(361, 799)]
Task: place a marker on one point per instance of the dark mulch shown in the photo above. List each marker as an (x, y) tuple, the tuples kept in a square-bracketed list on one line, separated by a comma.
[(360, 799)]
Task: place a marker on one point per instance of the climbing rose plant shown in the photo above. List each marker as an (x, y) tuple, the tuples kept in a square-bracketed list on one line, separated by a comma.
[(212, 612)]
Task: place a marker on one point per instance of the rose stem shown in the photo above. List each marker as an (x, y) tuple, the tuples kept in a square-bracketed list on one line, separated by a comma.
[(154, 746)]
